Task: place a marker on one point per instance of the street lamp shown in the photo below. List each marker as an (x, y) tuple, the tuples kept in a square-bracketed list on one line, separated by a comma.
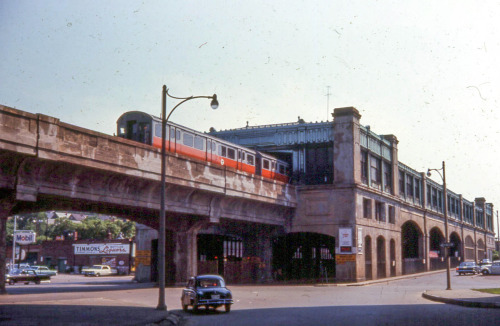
[(447, 244), (161, 237)]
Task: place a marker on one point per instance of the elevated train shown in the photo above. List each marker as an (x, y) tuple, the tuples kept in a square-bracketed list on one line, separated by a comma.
[(146, 128)]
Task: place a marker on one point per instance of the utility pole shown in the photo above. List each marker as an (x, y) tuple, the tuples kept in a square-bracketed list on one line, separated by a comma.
[(327, 101), (14, 243)]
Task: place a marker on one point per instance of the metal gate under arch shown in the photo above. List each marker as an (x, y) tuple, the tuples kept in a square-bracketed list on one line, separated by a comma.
[(304, 256)]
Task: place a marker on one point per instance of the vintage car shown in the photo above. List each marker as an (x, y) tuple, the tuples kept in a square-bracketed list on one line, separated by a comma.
[(468, 267), (26, 276), (493, 268), (208, 291), (98, 270), (44, 270)]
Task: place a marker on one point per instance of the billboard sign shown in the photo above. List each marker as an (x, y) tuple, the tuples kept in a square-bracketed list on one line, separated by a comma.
[(25, 237), (102, 249)]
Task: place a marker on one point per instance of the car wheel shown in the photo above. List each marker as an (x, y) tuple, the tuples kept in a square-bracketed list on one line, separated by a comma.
[(459, 274), (97, 275), (227, 307), (37, 281), (12, 282), (485, 272), (184, 307), (195, 308), (26, 283)]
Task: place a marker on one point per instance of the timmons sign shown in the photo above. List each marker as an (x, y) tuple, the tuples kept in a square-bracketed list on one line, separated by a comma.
[(102, 249), (25, 237)]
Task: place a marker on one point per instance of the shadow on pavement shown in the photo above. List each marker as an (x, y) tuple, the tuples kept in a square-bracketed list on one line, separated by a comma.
[(407, 315), (20, 289), (56, 315)]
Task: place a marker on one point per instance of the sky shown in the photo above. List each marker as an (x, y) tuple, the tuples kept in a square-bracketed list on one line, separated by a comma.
[(425, 71)]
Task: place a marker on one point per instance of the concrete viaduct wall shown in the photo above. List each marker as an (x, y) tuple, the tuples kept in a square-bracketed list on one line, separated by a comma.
[(46, 164)]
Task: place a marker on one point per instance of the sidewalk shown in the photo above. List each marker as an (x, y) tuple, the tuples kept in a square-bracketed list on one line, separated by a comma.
[(468, 298)]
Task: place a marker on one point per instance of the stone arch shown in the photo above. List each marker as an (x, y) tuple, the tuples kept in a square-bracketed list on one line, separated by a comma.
[(305, 256), (412, 248), (480, 250), (456, 249), (469, 248), (436, 238), (381, 257), (368, 258)]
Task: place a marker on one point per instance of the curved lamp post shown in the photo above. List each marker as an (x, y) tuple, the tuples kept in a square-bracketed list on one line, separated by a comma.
[(161, 236), (447, 244)]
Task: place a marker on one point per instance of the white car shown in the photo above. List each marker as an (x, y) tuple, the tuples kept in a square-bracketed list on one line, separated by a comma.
[(44, 270), (99, 270), (494, 268)]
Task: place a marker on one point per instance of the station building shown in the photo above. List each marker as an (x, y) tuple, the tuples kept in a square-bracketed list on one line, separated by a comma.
[(361, 214)]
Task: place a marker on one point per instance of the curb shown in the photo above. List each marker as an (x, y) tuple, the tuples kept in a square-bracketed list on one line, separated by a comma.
[(459, 302)]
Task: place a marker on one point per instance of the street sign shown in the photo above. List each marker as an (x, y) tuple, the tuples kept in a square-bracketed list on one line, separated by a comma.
[(447, 245)]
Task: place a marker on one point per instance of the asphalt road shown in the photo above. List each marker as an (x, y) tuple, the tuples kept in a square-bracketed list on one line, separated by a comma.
[(117, 301)]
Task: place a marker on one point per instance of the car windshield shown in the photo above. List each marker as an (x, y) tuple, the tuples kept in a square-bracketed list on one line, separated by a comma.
[(209, 283), (468, 264)]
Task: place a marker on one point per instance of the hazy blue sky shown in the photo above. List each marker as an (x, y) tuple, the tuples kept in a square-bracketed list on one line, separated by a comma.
[(425, 71)]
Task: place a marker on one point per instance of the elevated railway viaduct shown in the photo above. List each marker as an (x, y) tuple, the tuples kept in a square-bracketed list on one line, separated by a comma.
[(365, 215)]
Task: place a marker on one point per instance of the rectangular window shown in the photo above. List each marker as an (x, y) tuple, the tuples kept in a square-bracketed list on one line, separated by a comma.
[(367, 208), (250, 159), (223, 151), (392, 215), (387, 177), (409, 185), (379, 211), (199, 143), (417, 188), (265, 164), (188, 140), (402, 183), (375, 171), (364, 167), (231, 153)]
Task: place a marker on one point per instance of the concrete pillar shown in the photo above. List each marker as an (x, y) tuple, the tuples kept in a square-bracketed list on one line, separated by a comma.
[(186, 252), (346, 147), (6, 205)]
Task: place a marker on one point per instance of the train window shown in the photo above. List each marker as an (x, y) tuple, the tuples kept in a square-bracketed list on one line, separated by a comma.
[(223, 151), (172, 133), (281, 169), (199, 143), (188, 139), (157, 129), (121, 132), (250, 159), (214, 147), (178, 135), (265, 164), (231, 153)]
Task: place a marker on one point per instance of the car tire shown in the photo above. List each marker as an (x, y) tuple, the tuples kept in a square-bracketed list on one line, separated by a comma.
[(227, 307), (37, 281), (12, 282), (97, 275), (485, 272), (195, 308), (459, 274), (184, 307)]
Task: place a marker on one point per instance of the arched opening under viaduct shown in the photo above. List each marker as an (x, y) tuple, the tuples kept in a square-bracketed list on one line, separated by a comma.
[(412, 248), (455, 251), (304, 256), (436, 251)]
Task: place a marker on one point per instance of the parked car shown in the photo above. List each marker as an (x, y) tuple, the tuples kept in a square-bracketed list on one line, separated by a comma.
[(26, 276), (468, 267), (44, 270), (208, 291), (493, 268), (485, 262), (98, 270)]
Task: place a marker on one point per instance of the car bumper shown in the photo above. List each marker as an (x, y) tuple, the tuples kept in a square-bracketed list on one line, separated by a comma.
[(204, 302)]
